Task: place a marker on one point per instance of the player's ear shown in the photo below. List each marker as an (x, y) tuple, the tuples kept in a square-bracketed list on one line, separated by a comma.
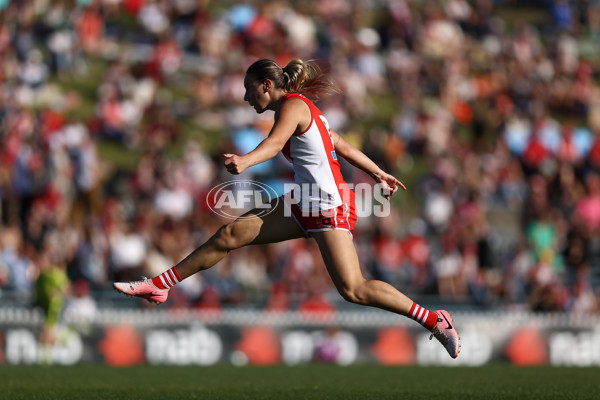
[(267, 85)]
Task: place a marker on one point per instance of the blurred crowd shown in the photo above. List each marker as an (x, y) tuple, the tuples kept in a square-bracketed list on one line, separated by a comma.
[(495, 125)]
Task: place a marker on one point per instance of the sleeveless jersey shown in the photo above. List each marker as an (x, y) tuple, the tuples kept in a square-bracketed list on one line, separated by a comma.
[(316, 168)]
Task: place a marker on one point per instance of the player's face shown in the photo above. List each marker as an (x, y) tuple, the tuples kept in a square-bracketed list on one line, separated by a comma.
[(256, 95)]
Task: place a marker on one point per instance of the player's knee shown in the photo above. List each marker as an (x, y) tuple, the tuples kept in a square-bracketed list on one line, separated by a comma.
[(352, 294), (231, 236)]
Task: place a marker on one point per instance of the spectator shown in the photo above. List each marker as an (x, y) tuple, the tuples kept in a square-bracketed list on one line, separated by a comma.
[(127, 250), (51, 291), (315, 304), (588, 208), (80, 307)]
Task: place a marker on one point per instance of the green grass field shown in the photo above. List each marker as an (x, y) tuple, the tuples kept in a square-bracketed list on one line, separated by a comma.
[(307, 382)]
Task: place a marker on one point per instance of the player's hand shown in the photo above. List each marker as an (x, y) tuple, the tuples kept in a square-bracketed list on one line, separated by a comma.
[(235, 164), (389, 184)]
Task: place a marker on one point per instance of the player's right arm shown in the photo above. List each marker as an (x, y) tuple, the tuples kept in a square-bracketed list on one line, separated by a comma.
[(291, 114)]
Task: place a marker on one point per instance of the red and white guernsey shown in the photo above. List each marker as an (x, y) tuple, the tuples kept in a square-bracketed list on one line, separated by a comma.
[(316, 167)]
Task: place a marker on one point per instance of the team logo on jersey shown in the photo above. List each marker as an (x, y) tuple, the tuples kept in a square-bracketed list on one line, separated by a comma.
[(234, 198), (334, 155)]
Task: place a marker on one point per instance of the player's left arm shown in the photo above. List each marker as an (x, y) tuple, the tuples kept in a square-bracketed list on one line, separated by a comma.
[(357, 158)]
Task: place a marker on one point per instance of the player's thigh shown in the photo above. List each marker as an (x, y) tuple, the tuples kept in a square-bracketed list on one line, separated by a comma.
[(339, 255), (262, 227)]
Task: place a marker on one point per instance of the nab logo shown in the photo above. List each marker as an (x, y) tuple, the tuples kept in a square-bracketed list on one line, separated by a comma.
[(334, 155), (231, 199)]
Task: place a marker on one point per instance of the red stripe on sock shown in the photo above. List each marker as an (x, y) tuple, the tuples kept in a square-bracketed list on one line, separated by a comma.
[(167, 277), (412, 310), (431, 321), (157, 282), (418, 314), (176, 274)]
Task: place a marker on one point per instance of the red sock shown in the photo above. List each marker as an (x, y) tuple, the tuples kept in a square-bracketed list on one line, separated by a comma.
[(167, 279), (423, 316)]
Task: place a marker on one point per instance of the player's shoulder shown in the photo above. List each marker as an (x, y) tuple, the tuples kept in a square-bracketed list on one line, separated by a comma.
[(295, 98), (297, 103), (294, 108)]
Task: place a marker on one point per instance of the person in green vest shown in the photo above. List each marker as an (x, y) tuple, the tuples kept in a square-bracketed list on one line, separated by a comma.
[(51, 291)]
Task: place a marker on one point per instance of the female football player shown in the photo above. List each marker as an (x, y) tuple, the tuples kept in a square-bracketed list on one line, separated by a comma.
[(326, 215)]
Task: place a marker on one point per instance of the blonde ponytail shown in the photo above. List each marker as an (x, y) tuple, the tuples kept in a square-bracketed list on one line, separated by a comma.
[(297, 76)]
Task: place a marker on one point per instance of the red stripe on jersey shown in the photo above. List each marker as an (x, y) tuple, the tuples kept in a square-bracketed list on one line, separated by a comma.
[(346, 194)]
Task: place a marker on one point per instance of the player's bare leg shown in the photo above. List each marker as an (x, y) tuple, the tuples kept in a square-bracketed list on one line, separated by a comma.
[(251, 228), (341, 260)]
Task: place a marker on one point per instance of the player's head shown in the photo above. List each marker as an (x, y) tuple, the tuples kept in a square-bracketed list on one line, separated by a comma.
[(298, 76)]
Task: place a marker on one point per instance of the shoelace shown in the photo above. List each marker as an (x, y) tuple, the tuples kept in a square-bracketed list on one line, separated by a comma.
[(138, 283)]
